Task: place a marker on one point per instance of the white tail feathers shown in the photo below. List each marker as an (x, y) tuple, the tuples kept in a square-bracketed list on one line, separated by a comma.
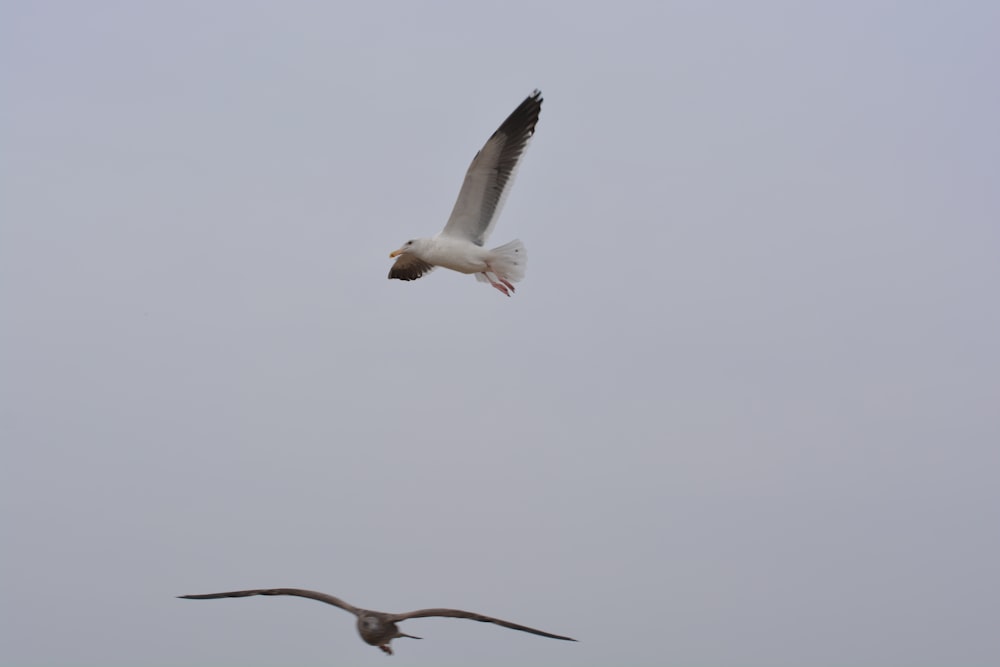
[(507, 261)]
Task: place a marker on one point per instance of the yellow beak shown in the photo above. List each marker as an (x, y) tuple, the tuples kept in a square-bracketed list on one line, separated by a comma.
[(395, 252)]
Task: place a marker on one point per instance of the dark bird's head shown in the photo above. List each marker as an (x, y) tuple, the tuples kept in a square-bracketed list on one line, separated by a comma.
[(379, 631)]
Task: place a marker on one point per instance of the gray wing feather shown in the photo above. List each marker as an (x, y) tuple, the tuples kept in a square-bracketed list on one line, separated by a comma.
[(491, 174), (299, 592), (458, 613)]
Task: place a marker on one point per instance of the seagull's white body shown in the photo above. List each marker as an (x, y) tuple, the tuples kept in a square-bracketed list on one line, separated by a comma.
[(465, 257), (459, 246), (452, 253)]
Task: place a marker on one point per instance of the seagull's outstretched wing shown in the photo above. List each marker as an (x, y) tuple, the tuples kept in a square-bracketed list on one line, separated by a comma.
[(458, 613), (300, 592), (491, 174)]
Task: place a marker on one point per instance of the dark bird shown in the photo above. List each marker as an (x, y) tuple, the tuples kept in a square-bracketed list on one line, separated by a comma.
[(376, 627)]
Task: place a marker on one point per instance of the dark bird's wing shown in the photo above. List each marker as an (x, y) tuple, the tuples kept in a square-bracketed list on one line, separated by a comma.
[(408, 267), (488, 180), (458, 613), (299, 592)]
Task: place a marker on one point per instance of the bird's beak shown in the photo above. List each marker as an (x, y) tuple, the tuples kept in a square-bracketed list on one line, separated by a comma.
[(395, 252)]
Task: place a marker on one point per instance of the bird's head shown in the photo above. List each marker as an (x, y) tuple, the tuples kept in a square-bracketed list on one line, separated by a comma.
[(373, 629), (378, 631), (370, 623), (412, 246)]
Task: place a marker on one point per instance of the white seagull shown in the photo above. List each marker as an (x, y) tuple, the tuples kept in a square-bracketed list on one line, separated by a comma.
[(459, 246), (376, 627)]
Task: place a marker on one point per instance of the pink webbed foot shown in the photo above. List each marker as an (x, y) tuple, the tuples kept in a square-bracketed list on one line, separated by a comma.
[(501, 287), (501, 284)]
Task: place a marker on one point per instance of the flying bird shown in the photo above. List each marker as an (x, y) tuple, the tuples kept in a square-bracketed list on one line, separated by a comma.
[(459, 246), (376, 627)]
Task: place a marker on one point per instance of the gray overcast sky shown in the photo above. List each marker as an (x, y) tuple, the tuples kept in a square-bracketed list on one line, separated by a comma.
[(743, 411)]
